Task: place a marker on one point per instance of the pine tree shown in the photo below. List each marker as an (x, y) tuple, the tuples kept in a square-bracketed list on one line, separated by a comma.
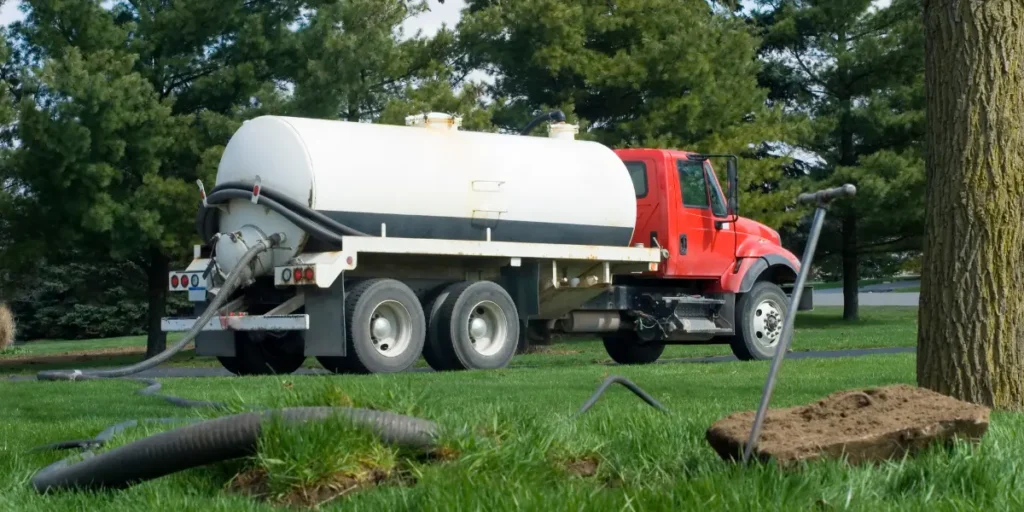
[(652, 73), (857, 73)]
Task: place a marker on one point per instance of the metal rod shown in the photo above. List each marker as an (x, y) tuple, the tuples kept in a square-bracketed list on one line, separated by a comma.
[(787, 330)]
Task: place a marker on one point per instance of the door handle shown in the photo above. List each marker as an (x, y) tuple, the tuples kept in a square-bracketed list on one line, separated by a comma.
[(682, 245)]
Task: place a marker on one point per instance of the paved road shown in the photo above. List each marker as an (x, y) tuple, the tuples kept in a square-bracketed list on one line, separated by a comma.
[(875, 288), (177, 372), (868, 299), (882, 294)]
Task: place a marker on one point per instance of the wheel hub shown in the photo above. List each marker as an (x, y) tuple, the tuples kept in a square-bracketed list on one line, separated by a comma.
[(381, 328), (488, 328), (766, 324), (390, 328), (477, 328)]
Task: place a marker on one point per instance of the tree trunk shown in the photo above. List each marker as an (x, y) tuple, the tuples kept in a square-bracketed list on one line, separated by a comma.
[(159, 266), (851, 269), (970, 343), (848, 158)]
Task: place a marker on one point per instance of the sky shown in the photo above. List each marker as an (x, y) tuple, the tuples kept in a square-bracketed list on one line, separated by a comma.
[(429, 22)]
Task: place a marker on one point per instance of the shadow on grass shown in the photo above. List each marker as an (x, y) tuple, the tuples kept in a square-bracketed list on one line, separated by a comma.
[(87, 361)]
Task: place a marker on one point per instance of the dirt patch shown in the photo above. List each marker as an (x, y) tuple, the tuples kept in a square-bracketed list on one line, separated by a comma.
[(582, 466), (73, 357), (535, 349), (255, 484), (862, 425)]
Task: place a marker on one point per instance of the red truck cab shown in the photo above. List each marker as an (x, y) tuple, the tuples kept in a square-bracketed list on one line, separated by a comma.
[(681, 207), (723, 278)]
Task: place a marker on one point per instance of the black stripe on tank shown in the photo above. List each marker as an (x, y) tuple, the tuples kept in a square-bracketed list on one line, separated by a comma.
[(461, 228)]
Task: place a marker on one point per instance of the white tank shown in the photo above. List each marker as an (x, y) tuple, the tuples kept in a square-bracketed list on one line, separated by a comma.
[(431, 181)]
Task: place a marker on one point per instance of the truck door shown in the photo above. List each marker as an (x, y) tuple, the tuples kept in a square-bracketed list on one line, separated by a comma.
[(702, 245), (650, 213)]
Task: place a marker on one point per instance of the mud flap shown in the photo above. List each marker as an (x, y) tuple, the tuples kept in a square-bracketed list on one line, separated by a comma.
[(326, 310), (213, 343)]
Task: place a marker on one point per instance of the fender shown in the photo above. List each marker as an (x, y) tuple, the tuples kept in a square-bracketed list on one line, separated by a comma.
[(759, 265), (748, 270)]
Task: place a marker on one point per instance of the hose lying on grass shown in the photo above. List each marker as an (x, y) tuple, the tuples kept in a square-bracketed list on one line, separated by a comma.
[(211, 441), (227, 438)]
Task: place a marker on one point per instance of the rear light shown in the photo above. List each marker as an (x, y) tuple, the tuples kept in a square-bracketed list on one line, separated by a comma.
[(195, 280), (298, 274), (174, 281), (286, 275), (309, 274)]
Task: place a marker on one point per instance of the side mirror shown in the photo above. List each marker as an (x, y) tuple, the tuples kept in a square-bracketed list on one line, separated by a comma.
[(734, 187)]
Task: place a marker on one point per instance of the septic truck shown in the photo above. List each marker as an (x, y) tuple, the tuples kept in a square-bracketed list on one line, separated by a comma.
[(367, 246)]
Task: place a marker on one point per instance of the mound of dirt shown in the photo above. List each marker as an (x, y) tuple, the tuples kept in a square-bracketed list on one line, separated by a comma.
[(862, 425)]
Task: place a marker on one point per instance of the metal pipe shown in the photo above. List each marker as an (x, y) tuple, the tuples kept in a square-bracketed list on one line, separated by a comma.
[(821, 198)]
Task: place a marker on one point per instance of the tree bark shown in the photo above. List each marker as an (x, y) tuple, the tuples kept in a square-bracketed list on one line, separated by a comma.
[(970, 342), (159, 266), (851, 269)]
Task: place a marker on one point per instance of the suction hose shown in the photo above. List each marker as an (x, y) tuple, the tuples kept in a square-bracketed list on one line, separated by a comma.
[(554, 115), (311, 221), (230, 284), (212, 441)]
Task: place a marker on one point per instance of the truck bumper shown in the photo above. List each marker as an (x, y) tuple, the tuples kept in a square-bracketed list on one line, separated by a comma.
[(240, 323)]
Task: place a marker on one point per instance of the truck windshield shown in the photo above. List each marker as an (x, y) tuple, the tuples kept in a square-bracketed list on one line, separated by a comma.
[(718, 206)]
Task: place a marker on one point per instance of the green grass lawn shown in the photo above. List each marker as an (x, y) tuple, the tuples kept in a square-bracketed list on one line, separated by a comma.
[(512, 437), (821, 329), (513, 444)]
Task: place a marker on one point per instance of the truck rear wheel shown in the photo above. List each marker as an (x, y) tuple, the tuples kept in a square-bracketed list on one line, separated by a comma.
[(473, 326), (385, 329), (759, 317), (265, 354), (626, 348)]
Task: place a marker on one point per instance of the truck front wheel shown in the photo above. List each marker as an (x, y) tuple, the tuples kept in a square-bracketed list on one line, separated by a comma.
[(626, 348), (759, 317)]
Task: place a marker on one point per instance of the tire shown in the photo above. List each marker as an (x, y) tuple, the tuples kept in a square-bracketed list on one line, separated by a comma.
[(760, 314), (474, 326), (265, 354), (435, 358), (626, 348), (385, 329)]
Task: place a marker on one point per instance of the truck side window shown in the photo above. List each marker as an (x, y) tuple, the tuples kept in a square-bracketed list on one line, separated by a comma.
[(638, 173), (718, 206), (692, 184)]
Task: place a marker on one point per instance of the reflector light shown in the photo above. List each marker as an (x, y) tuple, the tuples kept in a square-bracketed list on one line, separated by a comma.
[(298, 274), (174, 281), (309, 273)]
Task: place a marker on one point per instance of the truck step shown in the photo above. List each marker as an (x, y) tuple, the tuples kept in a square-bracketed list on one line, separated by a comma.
[(695, 325), (695, 300)]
